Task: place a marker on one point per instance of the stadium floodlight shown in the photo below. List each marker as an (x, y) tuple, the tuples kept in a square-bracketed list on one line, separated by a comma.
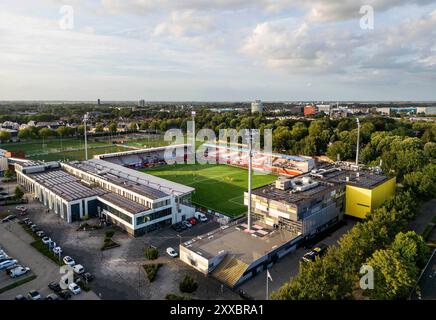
[(85, 119), (249, 136)]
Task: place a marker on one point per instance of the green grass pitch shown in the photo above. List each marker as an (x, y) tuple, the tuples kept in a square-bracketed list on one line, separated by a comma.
[(217, 187)]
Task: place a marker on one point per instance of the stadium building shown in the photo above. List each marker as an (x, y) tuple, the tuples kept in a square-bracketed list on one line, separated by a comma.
[(286, 214), (137, 202)]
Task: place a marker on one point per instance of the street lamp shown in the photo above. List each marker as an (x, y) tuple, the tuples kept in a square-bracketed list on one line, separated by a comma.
[(85, 119)]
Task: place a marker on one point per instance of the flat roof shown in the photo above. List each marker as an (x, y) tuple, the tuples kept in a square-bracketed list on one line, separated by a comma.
[(239, 243), (271, 192), (124, 203), (65, 185), (142, 183), (359, 178)]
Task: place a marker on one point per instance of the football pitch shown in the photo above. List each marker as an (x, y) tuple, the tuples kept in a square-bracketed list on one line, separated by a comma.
[(217, 187)]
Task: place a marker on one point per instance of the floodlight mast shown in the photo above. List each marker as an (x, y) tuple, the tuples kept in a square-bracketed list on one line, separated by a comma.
[(85, 119), (249, 135)]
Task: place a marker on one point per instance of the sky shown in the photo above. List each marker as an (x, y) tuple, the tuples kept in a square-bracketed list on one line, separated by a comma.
[(218, 50)]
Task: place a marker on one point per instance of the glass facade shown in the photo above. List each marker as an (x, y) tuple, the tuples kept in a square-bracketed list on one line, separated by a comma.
[(153, 216)]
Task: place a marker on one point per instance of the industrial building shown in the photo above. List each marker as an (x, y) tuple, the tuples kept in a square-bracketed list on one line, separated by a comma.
[(284, 215), (137, 202)]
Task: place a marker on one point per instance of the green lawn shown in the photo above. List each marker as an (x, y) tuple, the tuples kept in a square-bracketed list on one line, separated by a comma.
[(78, 155), (218, 187)]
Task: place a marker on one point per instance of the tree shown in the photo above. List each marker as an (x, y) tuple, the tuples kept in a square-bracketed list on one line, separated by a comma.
[(188, 284), (299, 131), (45, 132), (5, 136), (99, 127), (394, 276), (18, 193), (9, 174), (411, 247), (133, 126), (339, 148), (112, 127), (62, 131), (25, 133), (81, 129), (421, 183)]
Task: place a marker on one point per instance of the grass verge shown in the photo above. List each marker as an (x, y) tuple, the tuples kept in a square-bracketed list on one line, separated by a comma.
[(18, 283)]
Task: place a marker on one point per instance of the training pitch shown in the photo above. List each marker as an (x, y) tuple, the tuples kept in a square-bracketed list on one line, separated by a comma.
[(217, 187)]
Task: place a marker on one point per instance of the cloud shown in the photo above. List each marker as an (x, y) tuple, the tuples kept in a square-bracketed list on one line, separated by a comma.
[(406, 48), (185, 24)]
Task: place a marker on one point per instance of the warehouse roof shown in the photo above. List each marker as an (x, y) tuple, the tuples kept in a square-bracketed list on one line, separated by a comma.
[(139, 182)]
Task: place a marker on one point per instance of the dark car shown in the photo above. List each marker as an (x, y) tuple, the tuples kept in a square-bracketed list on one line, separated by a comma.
[(244, 295), (177, 227), (87, 277), (20, 297), (317, 251), (9, 218), (64, 294), (55, 286)]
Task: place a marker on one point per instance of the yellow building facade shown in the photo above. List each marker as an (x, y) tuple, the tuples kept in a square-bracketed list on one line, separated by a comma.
[(359, 201)]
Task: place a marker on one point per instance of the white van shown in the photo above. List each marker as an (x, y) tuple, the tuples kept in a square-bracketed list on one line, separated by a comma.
[(18, 271), (200, 216)]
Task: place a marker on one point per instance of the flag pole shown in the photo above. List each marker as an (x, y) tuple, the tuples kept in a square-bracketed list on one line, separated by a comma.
[(267, 295)]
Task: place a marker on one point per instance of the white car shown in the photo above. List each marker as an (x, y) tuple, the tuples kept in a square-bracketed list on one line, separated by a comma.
[(18, 271), (7, 263), (46, 240), (69, 261), (186, 224), (171, 252), (34, 295), (200, 216), (78, 269), (74, 288), (3, 255), (57, 250)]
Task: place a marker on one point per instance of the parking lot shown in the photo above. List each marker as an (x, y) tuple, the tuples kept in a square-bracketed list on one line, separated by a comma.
[(118, 272), (16, 241)]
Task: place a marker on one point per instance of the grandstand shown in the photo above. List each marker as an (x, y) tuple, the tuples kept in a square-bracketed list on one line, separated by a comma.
[(146, 158), (282, 164)]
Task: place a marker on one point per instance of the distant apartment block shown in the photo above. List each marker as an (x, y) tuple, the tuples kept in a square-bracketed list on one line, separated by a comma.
[(256, 106)]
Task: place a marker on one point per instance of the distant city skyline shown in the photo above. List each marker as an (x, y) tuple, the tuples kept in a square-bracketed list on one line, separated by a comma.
[(228, 50)]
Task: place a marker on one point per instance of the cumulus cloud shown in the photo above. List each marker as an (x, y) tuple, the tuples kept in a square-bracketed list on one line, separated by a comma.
[(408, 47)]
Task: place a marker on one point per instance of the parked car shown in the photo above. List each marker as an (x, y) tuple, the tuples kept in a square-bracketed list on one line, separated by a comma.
[(186, 224), (4, 256), (7, 263), (55, 286), (317, 251), (46, 240), (20, 297), (34, 295), (18, 271), (57, 250), (74, 288), (33, 227), (193, 221), (200, 216), (182, 225), (69, 261), (176, 227), (64, 294), (87, 277), (53, 296), (171, 252), (9, 218), (78, 269), (27, 221), (40, 233)]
